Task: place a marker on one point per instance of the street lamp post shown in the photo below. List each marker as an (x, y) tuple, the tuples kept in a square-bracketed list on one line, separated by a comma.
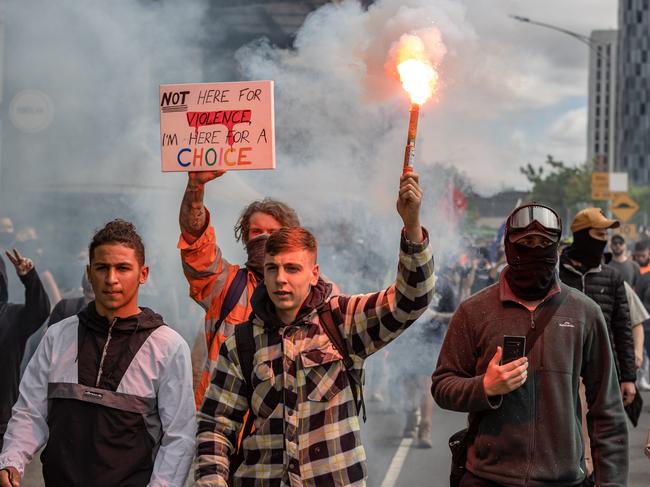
[(589, 42), (582, 38)]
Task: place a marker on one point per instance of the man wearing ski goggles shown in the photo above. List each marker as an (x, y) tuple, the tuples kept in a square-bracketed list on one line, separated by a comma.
[(528, 393)]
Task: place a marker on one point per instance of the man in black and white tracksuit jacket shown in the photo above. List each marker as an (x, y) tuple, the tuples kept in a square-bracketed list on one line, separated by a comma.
[(109, 391)]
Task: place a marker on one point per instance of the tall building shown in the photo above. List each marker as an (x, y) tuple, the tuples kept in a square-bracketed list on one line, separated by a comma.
[(601, 125), (633, 112)]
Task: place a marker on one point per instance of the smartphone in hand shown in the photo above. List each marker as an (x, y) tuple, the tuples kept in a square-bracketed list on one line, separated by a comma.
[(514, 347)]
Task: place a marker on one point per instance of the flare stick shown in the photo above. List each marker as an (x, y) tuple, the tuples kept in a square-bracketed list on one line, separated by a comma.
[(409, 152)]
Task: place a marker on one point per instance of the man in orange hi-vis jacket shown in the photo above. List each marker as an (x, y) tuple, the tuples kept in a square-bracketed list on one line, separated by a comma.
[(210, 276)]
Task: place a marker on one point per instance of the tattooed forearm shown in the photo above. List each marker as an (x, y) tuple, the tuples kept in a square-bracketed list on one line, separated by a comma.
[(192, 216)]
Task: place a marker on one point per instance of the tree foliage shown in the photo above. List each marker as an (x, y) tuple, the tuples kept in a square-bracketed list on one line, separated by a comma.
[(567, 189)]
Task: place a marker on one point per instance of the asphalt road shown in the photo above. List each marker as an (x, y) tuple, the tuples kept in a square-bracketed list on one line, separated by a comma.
[(382, 436), (430, 467)]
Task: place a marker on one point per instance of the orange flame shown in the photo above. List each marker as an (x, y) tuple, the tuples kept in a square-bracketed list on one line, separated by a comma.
[(419, 77)]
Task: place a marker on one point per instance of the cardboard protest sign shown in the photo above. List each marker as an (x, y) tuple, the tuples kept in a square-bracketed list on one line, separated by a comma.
[(216, 126)]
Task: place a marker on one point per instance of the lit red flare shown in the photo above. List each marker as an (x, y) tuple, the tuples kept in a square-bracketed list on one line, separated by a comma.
[(419, 78)]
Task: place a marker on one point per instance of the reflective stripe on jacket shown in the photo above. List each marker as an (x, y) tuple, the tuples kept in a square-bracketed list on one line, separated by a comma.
[(210, 276)]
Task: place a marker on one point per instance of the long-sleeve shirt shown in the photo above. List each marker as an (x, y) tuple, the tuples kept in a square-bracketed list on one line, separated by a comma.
[(306, 425), (532, 435), (17, 323), (210, 275)]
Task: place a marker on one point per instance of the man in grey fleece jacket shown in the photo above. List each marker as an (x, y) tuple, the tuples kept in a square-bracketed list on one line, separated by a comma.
[(528, 411)]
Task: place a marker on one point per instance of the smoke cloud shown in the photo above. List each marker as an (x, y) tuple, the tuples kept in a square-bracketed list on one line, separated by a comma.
[(89, 149), (341, 119)]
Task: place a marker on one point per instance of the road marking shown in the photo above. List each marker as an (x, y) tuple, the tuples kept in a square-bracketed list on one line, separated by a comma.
[(397, 463)]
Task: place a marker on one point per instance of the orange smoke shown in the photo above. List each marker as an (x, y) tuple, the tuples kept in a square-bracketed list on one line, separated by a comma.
[(417, 74)]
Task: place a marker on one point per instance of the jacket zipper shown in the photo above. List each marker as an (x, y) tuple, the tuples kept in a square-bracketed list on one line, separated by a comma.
[(532, 319), (104, 351), (583, 277), (531, 448), (532, 434)]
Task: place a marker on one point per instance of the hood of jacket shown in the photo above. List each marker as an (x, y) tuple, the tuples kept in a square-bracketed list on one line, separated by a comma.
[(264, 309), (145, 320)]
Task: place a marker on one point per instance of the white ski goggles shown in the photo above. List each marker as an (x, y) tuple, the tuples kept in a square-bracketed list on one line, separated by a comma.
[(527, 215)]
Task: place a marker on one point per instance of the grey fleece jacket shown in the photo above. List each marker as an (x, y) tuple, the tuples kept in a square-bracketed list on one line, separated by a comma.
[(532, 436)]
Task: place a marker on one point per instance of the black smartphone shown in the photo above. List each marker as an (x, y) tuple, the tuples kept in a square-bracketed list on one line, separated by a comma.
[(514, 347)]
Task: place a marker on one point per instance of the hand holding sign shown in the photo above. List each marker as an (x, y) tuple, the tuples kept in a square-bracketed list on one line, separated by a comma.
[(199, 178)]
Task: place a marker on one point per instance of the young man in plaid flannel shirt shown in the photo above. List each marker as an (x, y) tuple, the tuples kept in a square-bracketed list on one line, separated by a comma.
[(306, 426)]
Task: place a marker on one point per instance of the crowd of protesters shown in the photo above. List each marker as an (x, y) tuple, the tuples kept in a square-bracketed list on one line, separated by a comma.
[(276, 371)]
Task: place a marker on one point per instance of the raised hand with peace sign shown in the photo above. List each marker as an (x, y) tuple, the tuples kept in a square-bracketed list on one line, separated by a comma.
[(22, 264)]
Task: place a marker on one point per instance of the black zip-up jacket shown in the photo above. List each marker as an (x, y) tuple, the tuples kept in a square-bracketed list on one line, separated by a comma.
[(17, 323), (532, 436), (604, 285)]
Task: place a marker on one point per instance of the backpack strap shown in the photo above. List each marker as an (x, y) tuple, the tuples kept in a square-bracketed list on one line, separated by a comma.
[(245, 342), (354, 375), (233, 295), (246, 351)]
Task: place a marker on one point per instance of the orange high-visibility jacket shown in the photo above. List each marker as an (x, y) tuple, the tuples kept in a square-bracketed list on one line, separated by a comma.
[(210, 276)]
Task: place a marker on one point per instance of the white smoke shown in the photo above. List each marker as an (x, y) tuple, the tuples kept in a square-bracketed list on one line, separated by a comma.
[(341, 118)]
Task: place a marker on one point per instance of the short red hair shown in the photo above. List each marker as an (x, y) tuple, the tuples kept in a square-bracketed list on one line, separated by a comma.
[(291, 239)]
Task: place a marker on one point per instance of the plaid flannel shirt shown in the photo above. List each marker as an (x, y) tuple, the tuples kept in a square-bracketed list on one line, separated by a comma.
[(306, 426)]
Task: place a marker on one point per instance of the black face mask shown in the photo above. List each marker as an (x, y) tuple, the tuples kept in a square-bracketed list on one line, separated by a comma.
[(586, 249), (255, 251), (643, 263), (531, 270)]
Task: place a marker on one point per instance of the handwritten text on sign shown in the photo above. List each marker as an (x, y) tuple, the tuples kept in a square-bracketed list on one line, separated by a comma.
[(214, 126)]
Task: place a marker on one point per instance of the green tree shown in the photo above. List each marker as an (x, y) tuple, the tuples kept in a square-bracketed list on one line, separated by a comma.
[(567, 189)]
